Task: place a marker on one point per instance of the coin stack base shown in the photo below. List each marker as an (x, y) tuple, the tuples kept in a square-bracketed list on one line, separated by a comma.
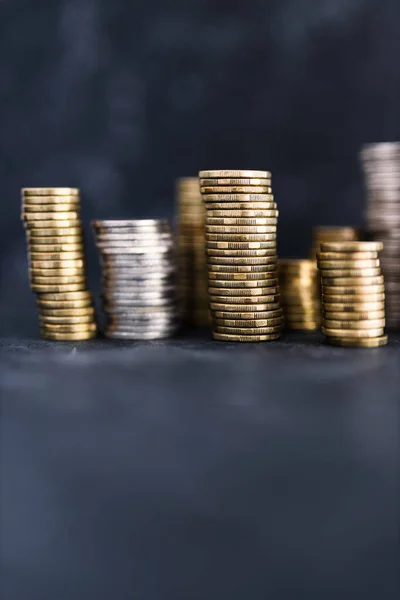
[(57, 263), (381, 164), (352, 294), (241, 224), (300, 294), (139, 271)]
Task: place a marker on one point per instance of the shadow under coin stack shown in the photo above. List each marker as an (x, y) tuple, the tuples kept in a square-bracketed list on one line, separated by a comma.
[(353, 300), (381, 163), (139, 269), (300, 293), (57, 268), (241, 224), (192, 258)]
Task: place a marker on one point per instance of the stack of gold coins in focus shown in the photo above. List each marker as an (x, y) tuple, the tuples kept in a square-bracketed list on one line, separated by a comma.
[(57, 264), (353, 298), (332, 234), (139, 267), (241, 224), (192, 257), (381, 164), (300, 293)]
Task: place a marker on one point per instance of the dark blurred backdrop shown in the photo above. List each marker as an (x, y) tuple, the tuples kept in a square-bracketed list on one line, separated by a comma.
[(121, 97)]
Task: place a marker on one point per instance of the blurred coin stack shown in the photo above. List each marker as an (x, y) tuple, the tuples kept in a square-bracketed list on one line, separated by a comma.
[(300, 293), (192, 258), (57, 264), (332, 234), (241, 224), (139, 282), (381, 164), (353, 298)]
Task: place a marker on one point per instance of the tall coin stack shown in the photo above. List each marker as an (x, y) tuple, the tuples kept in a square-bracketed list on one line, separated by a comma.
[(192, 257), (57, 264), (300, 293), (381, 164), (241, 223), (139, 269), (353, 299)]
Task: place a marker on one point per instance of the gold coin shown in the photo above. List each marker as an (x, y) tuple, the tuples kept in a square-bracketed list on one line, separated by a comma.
[(50, 200), (348, 264), (74, 320), (265, 314), (225, 337), (239, 276), (54, 191), (47, 208), (354, 316), (247, 323), (343, 298), (220, 222), (51, 216), (271, 305), (360, 343), (302, 326), (351, 246), (242, 214), (53, 225), (68, 287), (38, 280), (67, 312), (350, 273), (242, 300), (354, 325), (249, 246), (57, 272), (353, 333), (248, 258), (61, 256), (54, 234), (346, 290), (67, 296), (241, 269), (234, 237), (40, 248), (263, 181), (240, 202), (354, 282), (225, 229), (223, 174), (346, 255), (248, 330), (236, 189), (248, 292), (266, 282), (64, 304), (70, 337), (353, 306), (68, 327)]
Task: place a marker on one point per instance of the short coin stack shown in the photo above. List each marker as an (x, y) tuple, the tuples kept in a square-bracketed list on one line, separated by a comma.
[(192, 257), (332, 234), (57, 268), (241, 224), (300, 293), (353, 294), (381, 163), (139, 270)]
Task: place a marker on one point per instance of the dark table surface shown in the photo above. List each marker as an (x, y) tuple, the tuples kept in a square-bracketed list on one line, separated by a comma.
[(194, 469)]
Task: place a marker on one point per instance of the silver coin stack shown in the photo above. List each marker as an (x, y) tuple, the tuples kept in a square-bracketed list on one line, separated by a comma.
[(139, 278), (381, 165)]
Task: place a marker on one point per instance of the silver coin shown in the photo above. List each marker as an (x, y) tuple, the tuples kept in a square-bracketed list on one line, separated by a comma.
[(148, 243), (135, 336), (134, 223)]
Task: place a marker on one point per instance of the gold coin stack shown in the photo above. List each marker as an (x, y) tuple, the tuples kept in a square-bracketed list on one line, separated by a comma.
[(332, 234), (241, 223), (353, 298), (57, 269), (192, 258), (300, 293)]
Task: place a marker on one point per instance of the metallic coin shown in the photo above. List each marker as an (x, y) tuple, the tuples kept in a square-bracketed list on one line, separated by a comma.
[(221, 223), (59, 256), (148, 250), (140, 224), (69, 327), (353, 282), (350, 256), (67, 295), (53, 225), (63, 304), (247, 323), (39, 201), (48, 241), (55, 191), (226, 173), (250, 299), (236, 189), (211, 238), (242, 246), (112, 302), (57, 272), (353, 333), (120, 239), (134, 335), (52, 233), (302, 326), (343, 298), (67, 312), (68, 287), (230, 229), (360, 343), (353, 306), (41, 208), (29, 217), (347, 264), (245, 292), (354, 325), (61, 280), (57, 248), (131, 319), (239, 276), (248, 330), (269, 306), (69, 337), (354, 316), (144, 279), (240, 269), (224, 337), (241, 215), (240, 202), (354, 290), (351, 246), (263, 181), (342, 273), (247, 315), (74, 320), (236, 258), (268, 281)]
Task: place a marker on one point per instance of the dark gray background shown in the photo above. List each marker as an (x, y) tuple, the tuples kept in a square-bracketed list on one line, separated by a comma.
[(121, 97)]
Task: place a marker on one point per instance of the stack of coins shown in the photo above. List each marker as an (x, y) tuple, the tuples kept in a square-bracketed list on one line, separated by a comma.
[(192, 258), (381, 164), (332, 234), (353, 299), (57, 268), (300, 293), (139, 270), (241, 223)]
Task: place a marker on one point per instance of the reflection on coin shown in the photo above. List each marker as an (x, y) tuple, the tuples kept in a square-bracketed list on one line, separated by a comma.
[(249, 324), (354, 290), (348, 264), (68, 287), (235, 189), (354, 282), (39, 201), (353, 306), (74, 320), (229, 229), (48, 208), (240, 202), (53, 225), (57, 248), (57, 191), (226, 173), (351, 246), (342, 273), (250, 269), (348, 256), (353, 333), (343, 298), (224, 337), (241, 258), (263, 181), (33, 217), (241, 214), (354, 316), (353, 325), (56, 264), (239, 276), (57, 280), (268, 306), (360, 343)]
